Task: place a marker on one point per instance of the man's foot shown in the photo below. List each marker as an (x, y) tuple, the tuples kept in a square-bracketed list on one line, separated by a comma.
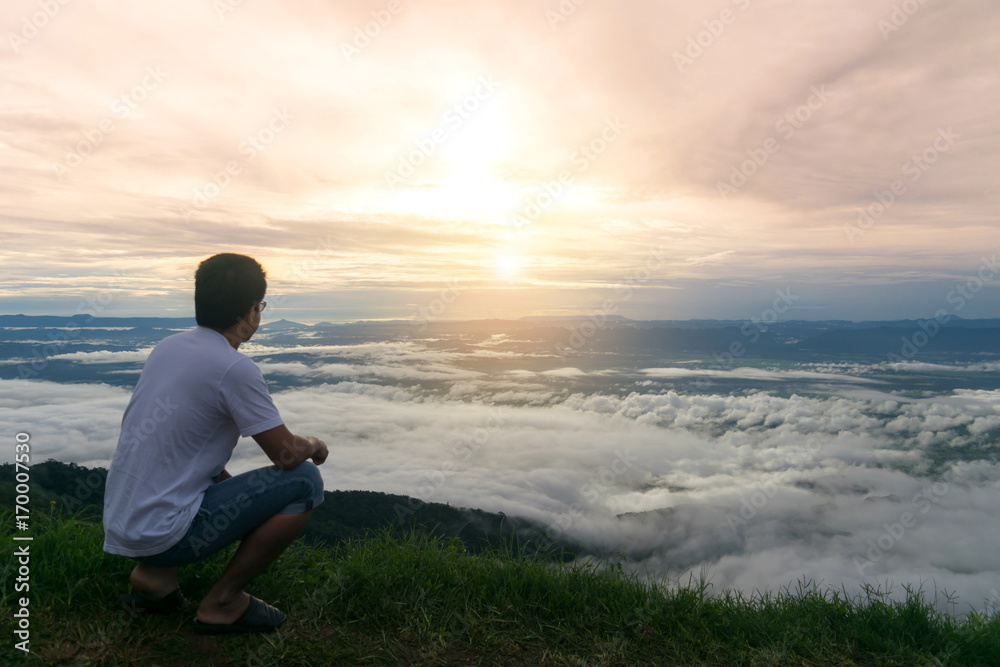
[(211, 611), (258, 617), (153, 583), (139, 604)]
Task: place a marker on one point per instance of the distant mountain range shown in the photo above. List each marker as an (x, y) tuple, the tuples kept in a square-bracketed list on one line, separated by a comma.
[(84, 320), (645, 342), (609, 321)]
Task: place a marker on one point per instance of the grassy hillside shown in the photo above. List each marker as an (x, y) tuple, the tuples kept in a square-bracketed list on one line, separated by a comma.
[(421, 600)]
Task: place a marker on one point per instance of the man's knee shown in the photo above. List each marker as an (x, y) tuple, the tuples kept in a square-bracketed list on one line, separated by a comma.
[(309, 472), (309, 483), (301, 486)]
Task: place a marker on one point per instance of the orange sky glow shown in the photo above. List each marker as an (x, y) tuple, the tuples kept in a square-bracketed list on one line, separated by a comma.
[(534, 157)]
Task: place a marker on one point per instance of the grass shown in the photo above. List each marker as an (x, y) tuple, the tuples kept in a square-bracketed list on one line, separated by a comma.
[(413, 600)]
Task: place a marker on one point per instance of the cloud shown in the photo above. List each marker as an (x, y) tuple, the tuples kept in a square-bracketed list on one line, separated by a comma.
[(568, 372), (746, 373), (105, 356), (757, 485), (987, 367), (68, 422), (759, 488), (398, 372), (96, 357)]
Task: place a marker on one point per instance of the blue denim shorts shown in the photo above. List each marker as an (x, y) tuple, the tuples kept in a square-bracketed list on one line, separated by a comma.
[(233, 508)]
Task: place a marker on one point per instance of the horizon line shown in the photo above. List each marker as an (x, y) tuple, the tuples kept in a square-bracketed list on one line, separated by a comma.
[(539, 318)]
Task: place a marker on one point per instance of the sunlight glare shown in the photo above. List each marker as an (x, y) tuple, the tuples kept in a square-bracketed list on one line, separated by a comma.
[(479, 144), (467, 186), (508, 265)]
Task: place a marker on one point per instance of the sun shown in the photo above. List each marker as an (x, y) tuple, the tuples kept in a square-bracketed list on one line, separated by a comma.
[(508, 265)]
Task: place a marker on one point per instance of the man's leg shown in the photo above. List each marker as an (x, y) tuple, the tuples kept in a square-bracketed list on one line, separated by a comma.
[(153, 582), (227, 601), (266, 508)]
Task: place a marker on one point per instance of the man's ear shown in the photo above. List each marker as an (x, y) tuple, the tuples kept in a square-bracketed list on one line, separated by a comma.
[(243, 326)]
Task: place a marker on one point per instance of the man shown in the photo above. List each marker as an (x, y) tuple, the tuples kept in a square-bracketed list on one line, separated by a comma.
[(169, 499)]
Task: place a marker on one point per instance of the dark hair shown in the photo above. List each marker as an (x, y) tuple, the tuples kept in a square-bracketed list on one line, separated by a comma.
[(226, 286)]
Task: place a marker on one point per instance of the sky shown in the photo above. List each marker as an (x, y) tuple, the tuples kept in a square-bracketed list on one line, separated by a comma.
[(502, 159)]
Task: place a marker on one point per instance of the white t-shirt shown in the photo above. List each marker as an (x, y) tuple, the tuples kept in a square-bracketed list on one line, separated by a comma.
[(195, 396)]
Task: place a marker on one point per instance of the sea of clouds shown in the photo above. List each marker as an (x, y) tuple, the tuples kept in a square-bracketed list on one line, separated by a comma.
[(823, 473)]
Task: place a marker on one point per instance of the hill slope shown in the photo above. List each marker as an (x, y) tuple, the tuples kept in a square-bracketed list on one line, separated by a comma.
[(416, 600)]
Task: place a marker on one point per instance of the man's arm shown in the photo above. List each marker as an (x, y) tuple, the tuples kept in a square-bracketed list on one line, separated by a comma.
[(287, 450)]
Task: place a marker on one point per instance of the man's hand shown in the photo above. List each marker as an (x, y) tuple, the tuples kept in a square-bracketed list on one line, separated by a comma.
[(287, 450), (321, 452)]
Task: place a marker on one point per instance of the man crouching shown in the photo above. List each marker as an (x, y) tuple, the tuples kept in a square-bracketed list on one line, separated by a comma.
[(169, 500)]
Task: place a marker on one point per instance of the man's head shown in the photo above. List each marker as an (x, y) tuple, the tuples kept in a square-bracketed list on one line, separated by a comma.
[(227, 290)]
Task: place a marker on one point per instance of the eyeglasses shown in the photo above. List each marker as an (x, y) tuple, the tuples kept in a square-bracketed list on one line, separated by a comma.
[(261, 306)]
